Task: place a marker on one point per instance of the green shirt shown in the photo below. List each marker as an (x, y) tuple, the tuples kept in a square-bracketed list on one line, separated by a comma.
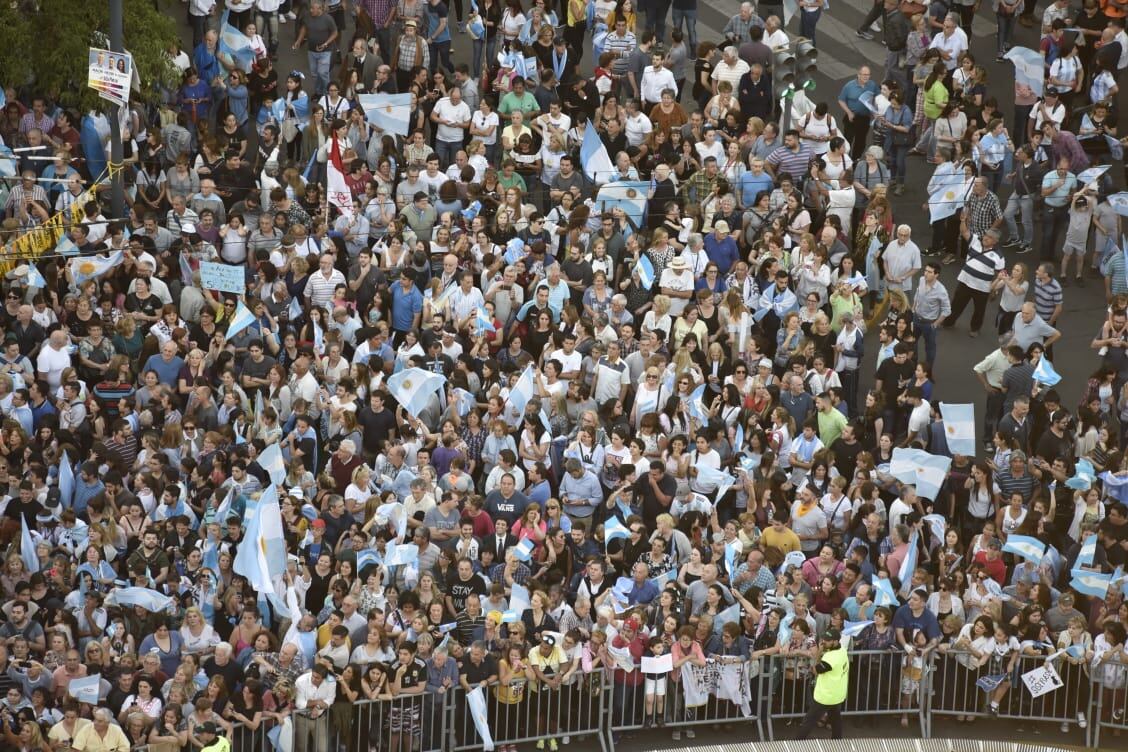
[(510, 102), (830, 686), (831, 424)]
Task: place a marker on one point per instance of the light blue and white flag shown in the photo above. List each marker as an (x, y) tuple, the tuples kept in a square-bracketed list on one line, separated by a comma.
[(990, 682), (909, 565), (404, 553), (645, 270), (27, 548), (924, 470), (186, 275), (1115, 484), (476, 702), (1087, 553), (66, 247), (146, 598), (1119, 203), (1029, 69), (8, 161), (514, 250), (712, 477), (234, 42), (629, 195), (613, 529), (35, 277), (664, 579), (946, 201), (1044, 372), (388, 112), (730, 556), (270, 460), (730, 615), (522, 391), (1092, 584), (519, 598), (463, 401), (524, 549), (66, 481), (883, 592), (413, 387), (86, 688), (1084, 476), (367, 558), (696, 405), (482, 321), (295, 309), (937, 524), (959, 427), (261, 557), (1025, 547), (594, 158), (1091, 175), (92, 267), (240, 320), (854, 628)]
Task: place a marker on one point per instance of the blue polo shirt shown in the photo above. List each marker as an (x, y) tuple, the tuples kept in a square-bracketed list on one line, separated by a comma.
[(721, 252), (404, 306), (751, 185), (851, 93)]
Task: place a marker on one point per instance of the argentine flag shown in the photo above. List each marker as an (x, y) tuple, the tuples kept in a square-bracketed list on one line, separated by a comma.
[(709, 476), (1044, 372), (594, 158), (1092, 584), (413, 387), (27, 548), (613, 529), (524, 550), (390, 113), (697, 405), (1087, 553), (947, 199), (522, 391), (1025, 547), (1119, 203), (262, 556), (65, 247), (482, 322), (367, 558), (270, 460), (400, 554), (66, 481), (1115, 484), (240, 321), (632, 196), (854, 628), (91, 267), (959, 427), (35, 277), (234, 42), (8, 161), (146, 598), (883, 592), (916, 466), (86, 688), (1084, 475), (645, 270), (909, 565)]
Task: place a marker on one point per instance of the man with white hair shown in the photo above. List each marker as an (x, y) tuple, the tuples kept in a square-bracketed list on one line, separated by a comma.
[(902, 260), (952, 42), (731, 69), (738, 27), (101, 736), (53, 359)]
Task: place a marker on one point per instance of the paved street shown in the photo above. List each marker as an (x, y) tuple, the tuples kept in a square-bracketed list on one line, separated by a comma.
[(840, 53)]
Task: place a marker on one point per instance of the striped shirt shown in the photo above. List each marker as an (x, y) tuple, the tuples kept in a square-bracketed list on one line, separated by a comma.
[(1007, 484), (793, 162), (980, 268), (1117, 274), (1047, 297)]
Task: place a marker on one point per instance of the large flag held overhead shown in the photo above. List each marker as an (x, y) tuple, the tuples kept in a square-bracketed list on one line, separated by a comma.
[(1119, 203), (262, 556), (1092, 584), (240, 320), (92, 267), (234, 42), (270, 460), (594, 158), (86, 688), (146, 598), (924, 470), (1029, 70), (413, 387), (388, 112), (338, 191), (632, 196), (959, 427), (946, 201)]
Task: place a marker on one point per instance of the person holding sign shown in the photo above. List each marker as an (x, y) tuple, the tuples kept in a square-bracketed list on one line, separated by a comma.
[(833, 677)]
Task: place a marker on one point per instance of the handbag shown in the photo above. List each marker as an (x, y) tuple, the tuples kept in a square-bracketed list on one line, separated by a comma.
[(289, 129)]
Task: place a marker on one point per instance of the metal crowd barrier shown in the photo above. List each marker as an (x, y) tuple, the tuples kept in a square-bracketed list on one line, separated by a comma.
[(882, 682), (607, 704), (1110, 707), (525, 712), (957, 690)]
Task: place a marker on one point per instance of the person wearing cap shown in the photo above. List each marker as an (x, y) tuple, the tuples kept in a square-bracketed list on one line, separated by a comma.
[(627, 697), (721, 248), (832, 669), (209, 737), (548, 663)]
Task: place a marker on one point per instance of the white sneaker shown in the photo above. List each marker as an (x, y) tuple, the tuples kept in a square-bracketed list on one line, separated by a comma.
[(1081, 720), (690, 734), (282, 18), (566, 739), (292, 15), (1064, 727)]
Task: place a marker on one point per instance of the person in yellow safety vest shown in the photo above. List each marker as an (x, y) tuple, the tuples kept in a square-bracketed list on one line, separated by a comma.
[(208, 734), (833, 669)]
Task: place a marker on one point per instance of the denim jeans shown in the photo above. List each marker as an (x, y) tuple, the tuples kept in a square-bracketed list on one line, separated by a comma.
[(686, 20), (319, 66), (897, 158), (441, 50), (656, 19), (808, 19), (1025, 205), (927, 332), (1005, 32), (446, 151), (384, 40), (484, 51), (1054, 219)]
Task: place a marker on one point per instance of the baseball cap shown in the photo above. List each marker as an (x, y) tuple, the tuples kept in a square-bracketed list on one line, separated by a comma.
[(318, 523), (187, 228), (208, 727), (832, 635)]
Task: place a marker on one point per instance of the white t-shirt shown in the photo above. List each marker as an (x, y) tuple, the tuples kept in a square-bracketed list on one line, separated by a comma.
[(481, 121), (679, 283), (637, 129), (920, 417), (52, 362), (568, 362), (458, 113)]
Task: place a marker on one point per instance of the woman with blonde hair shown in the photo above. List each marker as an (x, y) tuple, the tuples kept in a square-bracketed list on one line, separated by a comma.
[(658, 318)]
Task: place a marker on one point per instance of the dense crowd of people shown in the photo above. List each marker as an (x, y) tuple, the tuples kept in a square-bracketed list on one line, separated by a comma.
[(644, 418)]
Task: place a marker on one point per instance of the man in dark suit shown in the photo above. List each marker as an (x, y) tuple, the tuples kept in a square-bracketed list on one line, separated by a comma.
[(365, 63), (499, 542)]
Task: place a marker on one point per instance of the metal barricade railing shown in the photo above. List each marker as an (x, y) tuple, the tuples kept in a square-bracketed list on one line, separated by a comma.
[(719, 693), (407, 723), (243, 739), (881, 682), (525, 712), (1109, 702), (960, 687)]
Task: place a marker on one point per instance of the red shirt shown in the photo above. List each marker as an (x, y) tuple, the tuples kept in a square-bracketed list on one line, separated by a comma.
[(996, 569), (637, 648)]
